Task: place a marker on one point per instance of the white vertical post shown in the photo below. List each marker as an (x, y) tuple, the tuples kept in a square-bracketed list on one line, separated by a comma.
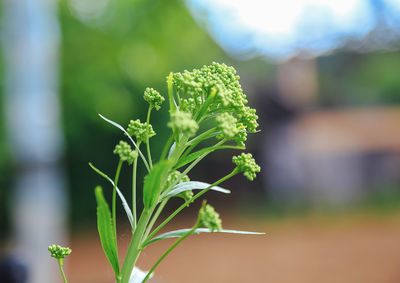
[(31, 45)]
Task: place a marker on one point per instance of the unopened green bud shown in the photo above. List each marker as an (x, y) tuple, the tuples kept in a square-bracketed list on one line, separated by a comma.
[(241, 135), (186, 195), (249, 118), (227, 125), (59, 252), (132, 156), (172, 180), (245, 163), (142, 131), (187, 105), (154, 98), (183, 122), (174, 176), (209, 218), (123, 149)]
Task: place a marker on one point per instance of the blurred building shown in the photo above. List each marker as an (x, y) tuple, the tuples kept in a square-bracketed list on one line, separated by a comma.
[(334, 156)]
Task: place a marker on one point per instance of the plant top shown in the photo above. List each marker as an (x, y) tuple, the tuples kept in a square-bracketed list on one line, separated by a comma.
[(206, 104)]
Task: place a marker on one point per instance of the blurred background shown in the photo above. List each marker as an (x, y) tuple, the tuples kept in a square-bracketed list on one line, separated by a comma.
[(324, 77)]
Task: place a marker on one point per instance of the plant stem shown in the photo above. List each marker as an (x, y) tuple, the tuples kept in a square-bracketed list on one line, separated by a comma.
[(177, 242), (60, 264), (202, 136), (155, 217), (147, 140), (233, 173), (114, 199), (190, 167), (194, 142), (135, 247), (134, 213)]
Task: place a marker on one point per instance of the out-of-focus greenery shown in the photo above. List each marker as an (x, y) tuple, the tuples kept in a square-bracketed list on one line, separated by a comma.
[(106, 67), (351, 79), (107, 62)]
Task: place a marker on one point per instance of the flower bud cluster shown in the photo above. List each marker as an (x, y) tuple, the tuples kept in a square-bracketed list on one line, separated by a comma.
[(183, 122), (226, 123), (125, 152), (248, 117), (154, 98), (171, 180), (59, 252), (216, 76), (187, 105), (142, 131), (241, 135), (174, 176), (209, 218), (217, 86), (245, 163)]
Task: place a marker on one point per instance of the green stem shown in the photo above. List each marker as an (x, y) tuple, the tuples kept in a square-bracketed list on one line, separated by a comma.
[(194, 142), (134, 213), (134, 247), (114, 199), (190, 167), (202, 136), (147, 140), (155, 217), (233, 173), (205, 106), (60, 264), (177, 242)]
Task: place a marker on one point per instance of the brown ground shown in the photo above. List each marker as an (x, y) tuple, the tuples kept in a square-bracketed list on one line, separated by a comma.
[(356, 249)]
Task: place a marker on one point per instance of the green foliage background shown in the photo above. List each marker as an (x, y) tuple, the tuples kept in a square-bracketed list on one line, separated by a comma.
[(107, 62)]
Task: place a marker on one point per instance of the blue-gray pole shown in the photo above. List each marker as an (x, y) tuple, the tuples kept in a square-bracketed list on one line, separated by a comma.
[(31, 45)]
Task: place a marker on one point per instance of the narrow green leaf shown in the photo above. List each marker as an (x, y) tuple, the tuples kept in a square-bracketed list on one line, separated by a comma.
[(193, 185), (187, 159), (125, 204), (171, 150), (154, 182), (106, 231), (172, 105), (130, 138), (178, 233)]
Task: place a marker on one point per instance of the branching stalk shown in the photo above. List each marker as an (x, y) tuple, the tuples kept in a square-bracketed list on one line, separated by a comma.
[(179, 209), (177, 242), (134, 181), (147, 140), (114, 198)]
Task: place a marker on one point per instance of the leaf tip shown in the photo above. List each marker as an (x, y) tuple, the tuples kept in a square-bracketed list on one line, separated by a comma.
[(98, 191)]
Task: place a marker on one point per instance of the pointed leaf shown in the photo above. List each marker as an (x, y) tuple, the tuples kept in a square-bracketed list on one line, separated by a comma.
[(125, 204), (172, 104), (178, 233), (106, 231), (171, 149), (154, 182), (130, 138), (187, 159), (193, 185)]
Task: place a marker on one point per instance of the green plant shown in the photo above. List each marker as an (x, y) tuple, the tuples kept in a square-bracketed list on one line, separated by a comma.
[(205, 104), (59, 253)]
